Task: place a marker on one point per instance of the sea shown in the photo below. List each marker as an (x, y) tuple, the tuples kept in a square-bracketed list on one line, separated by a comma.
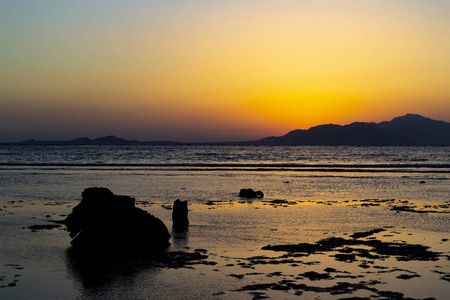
[(205, 173), (310, 193)]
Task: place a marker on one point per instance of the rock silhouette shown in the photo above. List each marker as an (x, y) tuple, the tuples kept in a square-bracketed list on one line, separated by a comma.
[(103, 220), (250, 193), (180, 215)]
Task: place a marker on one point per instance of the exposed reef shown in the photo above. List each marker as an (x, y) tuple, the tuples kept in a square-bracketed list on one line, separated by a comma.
[(372, 249), (361, 248)]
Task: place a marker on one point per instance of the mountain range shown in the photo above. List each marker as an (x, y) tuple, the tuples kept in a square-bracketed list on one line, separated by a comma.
[(410, 129)]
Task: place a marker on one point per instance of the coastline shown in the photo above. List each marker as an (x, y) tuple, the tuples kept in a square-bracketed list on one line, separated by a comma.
[(223, 255)]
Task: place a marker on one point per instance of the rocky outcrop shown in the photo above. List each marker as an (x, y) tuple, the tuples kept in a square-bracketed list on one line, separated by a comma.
[(180, 215), (250, 193), (103, 220)]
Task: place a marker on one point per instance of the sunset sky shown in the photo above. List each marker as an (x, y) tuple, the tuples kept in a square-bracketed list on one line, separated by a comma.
[(217, 70)]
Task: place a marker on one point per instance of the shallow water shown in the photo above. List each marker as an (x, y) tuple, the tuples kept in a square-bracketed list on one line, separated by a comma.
[(230, 232), (202, 186), (38, 264), (312, 156), (204, 173)]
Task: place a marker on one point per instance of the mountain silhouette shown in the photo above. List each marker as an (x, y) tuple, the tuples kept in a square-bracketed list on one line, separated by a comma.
[(410, 129), (112, 140), (332, 135), (421, 130), (106, 140)]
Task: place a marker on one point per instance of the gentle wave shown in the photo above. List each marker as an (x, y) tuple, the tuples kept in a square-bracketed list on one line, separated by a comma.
[(229, 165), (428, 168)]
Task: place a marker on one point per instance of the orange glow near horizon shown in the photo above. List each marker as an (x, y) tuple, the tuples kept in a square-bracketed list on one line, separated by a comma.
[(215, 71), (309, 110)]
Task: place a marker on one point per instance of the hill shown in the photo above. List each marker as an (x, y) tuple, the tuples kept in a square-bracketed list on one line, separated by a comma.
[(406, 130), (421, 130)]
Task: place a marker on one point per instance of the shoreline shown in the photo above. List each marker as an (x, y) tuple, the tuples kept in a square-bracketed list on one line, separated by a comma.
[(237, 265)]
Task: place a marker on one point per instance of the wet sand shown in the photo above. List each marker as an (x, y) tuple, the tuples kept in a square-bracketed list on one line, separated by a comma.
[(241, 250)]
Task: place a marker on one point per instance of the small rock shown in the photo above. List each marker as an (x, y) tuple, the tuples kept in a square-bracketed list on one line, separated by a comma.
[(250, 193), (180, 215)]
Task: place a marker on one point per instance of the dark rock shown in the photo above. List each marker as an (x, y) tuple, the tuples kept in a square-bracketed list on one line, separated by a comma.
[(44, 227), (364, 266), (312, 275), (180, 215), (279, 287), (201, 250), (407, 276), (364, 234), (281, 201), (104, 221), (345, 257), (391, 295), (250, 193), (330, 270), (257, 286)]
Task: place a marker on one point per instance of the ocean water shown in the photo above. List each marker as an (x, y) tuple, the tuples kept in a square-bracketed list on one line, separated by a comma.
[(222, 155), (327, 184), (204, 173)]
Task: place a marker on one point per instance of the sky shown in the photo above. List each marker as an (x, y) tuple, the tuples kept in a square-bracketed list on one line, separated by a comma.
[(217, 70)]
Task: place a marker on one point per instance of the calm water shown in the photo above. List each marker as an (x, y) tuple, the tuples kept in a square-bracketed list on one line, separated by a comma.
[(49, 180), (203, 173), (234, 156)]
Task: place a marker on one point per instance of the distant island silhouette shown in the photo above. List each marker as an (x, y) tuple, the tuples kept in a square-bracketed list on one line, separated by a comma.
[(411, 129)]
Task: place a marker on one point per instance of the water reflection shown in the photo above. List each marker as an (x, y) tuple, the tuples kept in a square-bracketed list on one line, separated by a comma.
[(105, 274), (112, 274), (180, 239)]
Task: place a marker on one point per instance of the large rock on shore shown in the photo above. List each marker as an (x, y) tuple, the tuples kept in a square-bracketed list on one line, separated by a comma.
[(103, 220)]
